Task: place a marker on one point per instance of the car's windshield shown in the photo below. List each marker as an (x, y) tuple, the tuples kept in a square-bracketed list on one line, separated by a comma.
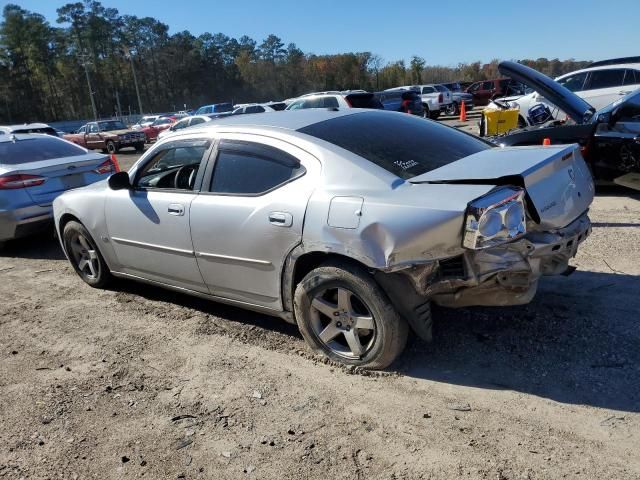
[(112, 125), (404, 145), (25, 150)]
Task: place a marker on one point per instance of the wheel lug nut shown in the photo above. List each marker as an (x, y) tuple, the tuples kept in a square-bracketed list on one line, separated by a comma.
[(338, 324), (336, 314), (348, 328)]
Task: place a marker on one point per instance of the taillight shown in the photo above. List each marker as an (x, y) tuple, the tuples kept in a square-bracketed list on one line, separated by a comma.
[(13, 182), (108, 166), (440, 98)]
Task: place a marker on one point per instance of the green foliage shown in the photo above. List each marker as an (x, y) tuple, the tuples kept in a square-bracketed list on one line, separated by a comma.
[(42, 77)]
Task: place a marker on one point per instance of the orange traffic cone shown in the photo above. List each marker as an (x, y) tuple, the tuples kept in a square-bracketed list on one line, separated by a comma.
[(114, 162), (463, 112), (546, 141)]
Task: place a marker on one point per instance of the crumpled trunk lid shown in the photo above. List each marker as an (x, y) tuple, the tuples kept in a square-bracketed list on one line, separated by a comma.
[(557, 180)]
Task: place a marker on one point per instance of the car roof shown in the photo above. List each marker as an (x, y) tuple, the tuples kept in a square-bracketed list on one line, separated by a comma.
[(632, 66), (24, 125), (288, 120), (24, 136)]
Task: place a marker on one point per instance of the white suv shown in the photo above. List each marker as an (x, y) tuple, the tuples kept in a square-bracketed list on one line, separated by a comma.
[(600, 84)]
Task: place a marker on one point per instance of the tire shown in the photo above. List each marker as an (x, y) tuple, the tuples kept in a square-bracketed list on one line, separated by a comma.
[(84, 255), (425, 111), (435, 115), (332, 300), (453, 109), (111, 147), (139, 147)]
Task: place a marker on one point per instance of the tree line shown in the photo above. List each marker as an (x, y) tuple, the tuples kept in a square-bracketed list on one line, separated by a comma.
[(44, 68)]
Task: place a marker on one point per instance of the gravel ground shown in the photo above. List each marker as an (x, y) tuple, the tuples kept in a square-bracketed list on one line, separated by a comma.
[(139, 382)]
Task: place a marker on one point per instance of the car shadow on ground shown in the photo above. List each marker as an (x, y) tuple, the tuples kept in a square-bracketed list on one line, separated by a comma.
[(42, 246), (207, 307), (578, 342)]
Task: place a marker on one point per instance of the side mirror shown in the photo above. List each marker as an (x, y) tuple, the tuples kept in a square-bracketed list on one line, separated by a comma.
[(119, 181)]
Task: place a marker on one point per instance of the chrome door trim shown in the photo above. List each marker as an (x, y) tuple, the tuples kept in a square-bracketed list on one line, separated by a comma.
[(235, 259), (152, 246)]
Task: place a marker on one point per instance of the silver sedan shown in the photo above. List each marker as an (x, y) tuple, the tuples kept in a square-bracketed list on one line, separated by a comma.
[(349, 224)]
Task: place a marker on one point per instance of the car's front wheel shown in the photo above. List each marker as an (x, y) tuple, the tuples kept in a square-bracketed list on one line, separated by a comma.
[(139, 147), (111, 147), (84, 255), (343, 313)]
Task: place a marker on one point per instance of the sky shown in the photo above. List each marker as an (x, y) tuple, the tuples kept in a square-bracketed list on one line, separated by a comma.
[(443, 32)]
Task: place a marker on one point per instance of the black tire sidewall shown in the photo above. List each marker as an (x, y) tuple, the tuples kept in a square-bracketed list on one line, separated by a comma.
[(114, 148), (391, 330), (104, 276)]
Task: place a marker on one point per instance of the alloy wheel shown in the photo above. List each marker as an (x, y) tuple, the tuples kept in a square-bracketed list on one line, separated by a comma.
[(85, 256), (343, 322)]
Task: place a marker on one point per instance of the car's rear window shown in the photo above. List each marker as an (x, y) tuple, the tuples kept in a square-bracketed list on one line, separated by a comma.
[(223, 107), (440, 88), (404, 145), (36, 149)]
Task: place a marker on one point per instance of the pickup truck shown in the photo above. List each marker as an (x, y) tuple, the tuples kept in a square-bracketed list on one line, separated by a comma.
[(108, 136), (434, 101)]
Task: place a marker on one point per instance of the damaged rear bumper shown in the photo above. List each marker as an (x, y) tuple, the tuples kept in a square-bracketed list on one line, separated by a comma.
[(498, 276), (508, 274)]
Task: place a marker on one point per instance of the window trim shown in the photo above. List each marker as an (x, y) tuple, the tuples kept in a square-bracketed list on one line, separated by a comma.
[(213, 160), (204, 162)]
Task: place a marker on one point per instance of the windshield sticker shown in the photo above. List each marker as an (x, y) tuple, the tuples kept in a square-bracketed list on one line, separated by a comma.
[(406, 164)]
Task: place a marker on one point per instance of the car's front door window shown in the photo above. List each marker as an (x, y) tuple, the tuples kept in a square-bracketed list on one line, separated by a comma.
[(174, 167), (574, 83)]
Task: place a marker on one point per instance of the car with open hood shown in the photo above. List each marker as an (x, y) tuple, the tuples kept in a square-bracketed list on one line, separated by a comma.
[(348, 223), (609, 138)]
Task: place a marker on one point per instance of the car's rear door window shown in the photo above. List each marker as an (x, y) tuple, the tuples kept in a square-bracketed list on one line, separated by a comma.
[(248, 168), (605, 78), (404, 145), (37, 149)]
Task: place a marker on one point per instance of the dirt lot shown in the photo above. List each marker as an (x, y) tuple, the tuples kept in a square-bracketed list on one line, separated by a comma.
[(140, 382)]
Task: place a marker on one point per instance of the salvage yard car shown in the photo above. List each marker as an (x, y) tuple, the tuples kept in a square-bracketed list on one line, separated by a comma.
[(347, 223), (34, 169), (108, 135), (609, 137)]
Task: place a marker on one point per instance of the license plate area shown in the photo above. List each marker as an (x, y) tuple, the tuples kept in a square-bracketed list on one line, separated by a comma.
[(72, 181)]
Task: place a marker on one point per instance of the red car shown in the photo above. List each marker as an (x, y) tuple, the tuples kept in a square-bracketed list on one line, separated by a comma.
[(485, 91), (151, 132)]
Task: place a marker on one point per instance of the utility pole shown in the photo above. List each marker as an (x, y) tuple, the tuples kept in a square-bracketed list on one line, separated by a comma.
[(85, 62), (135, 78)]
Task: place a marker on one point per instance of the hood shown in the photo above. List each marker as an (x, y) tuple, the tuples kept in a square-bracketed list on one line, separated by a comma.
[(122, 131), (574, 106)]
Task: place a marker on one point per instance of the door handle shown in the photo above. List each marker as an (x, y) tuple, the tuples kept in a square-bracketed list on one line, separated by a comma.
[(281, 219), (175, 209)]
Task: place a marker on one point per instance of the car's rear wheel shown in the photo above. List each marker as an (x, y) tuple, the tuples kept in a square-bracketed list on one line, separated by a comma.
[(425, 111), (111, 147), (85, 256), (452, 109), (343, 313)]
